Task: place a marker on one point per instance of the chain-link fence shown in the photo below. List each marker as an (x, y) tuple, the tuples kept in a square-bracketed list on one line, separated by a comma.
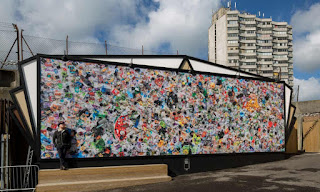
[(53, 46), (15, 46), (8, 46)]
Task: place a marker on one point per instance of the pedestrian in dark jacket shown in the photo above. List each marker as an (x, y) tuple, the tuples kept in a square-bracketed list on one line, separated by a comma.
[(61, 140)]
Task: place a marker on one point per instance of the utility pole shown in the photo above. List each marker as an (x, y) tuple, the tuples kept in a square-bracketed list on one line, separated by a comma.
[(18, 41), (106, 45), (21, 44), (67, 44), (298, 94), (299, 123)]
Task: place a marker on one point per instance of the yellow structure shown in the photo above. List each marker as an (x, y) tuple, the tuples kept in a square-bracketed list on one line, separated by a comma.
[(311, 134), (292, 144), (305, 135)]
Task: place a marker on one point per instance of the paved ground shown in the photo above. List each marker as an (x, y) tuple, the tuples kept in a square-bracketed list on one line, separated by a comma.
[(298, 173)]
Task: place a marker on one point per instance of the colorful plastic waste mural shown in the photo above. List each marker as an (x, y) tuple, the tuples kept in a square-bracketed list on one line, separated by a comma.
[(119, 111)]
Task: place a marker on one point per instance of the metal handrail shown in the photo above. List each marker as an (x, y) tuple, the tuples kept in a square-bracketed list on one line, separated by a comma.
[(20, 177)]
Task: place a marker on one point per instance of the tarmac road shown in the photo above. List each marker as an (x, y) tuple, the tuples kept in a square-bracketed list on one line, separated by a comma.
[(298, 173)]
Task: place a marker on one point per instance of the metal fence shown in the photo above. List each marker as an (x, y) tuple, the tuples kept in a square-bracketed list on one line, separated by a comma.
[(5, 125), (12, 149), (9, 46), (20, 178), (16, 46), (53, 46)]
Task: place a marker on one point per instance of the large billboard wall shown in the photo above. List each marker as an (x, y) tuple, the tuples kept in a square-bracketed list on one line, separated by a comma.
[(121, 111)]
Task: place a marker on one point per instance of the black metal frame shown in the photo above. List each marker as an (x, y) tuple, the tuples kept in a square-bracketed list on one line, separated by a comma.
[(185, 57), (24, 132), (183, 61), (290, 100), (22, 82), (285, 114), (81, 58), (291, 125), (287, 131)]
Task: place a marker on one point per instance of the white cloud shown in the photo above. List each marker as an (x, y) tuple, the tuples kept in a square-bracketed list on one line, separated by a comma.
[(84, 21), (7, 11), (306, 20), (308, 89), (80, 19), (306, 27), (180, 24), (306, 52)]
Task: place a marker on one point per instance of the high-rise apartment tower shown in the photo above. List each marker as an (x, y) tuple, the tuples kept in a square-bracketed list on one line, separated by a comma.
[(257, 45)]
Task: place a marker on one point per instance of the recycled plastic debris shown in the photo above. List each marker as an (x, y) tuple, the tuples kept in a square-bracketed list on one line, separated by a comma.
[(121, 111)]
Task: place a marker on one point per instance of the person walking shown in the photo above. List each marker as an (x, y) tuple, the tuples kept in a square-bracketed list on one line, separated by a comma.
[(61, 140)]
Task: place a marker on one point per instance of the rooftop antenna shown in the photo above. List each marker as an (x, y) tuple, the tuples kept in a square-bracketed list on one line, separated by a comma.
[(235, 5)]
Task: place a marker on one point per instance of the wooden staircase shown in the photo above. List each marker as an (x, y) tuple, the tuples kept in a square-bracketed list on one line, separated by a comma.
[(101, 178)]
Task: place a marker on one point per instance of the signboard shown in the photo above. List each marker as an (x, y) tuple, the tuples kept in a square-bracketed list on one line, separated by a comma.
[(118, 111)]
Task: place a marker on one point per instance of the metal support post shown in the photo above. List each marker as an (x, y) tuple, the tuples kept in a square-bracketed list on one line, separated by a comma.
[(67, 44), (106, 45), (298, 94), (7, 160), (18, 40), (26, 43), (2, 162), (21, 37), (4, 62), (28, 166)]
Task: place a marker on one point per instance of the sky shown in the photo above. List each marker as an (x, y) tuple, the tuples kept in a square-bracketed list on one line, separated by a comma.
[(168, 25)]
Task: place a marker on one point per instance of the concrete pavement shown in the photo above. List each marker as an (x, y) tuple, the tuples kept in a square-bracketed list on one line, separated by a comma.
[(298, 173)]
